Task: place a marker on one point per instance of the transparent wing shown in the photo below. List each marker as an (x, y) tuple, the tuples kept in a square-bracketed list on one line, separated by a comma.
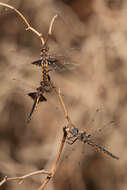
[(38, 63), (100, 123), (62, 63), (64, 60)]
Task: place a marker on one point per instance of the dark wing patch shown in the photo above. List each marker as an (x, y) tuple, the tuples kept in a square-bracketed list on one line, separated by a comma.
[(33, 95), (42, 98), (61, 63), (38, 63)]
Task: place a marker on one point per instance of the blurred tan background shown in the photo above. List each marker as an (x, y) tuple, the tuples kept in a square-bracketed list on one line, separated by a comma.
[(94, 34)]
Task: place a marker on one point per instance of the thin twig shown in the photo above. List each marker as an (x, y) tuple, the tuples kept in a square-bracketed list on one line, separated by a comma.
[(21, 178), (53, 169), (50, 28), (54, 166), (51, 24), (58, 93), (60, 150), (25, 20), (49, 174)]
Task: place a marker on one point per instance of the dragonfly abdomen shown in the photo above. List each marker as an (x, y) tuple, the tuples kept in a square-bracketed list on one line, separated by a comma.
[(45, 78), (101, 149)]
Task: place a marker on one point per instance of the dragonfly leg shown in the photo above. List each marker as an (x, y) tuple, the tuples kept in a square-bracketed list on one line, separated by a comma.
[(71, 141)]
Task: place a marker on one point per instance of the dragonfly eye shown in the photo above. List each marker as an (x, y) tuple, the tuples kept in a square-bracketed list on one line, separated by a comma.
[(88, 136), (74, 131)]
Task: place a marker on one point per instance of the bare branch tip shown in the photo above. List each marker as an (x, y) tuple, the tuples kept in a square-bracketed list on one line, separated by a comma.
[(27, 28), (21, 181), (56, 16), (3, 181)]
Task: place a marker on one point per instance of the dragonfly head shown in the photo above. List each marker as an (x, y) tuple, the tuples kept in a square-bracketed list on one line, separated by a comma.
[(44, 50)]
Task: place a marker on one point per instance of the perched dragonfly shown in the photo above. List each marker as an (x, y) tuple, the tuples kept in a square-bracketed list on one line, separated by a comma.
[(60, 63), (45, 84), (44, 62), (47, 62), (84, 137)]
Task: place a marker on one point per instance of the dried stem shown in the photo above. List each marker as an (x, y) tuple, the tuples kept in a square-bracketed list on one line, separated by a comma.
[(65, 130), (51, 173), (21, 178), (25, 21), (57, 91), (51, 24), (60, 151), (53, 169), (50, 28), (29, 27)]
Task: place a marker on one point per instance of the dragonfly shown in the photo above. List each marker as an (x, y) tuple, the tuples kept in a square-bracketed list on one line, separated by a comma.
[(83, 136), (48, 63)]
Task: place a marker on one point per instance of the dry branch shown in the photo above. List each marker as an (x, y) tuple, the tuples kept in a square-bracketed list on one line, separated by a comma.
[(53, 169), (50, 29), (58, 93), (28, 26), (21, 178), (50, 173), (66, 130)]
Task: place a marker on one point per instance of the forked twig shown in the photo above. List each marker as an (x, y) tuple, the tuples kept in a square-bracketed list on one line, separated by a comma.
[(22, 178), (68, 129), (65, 134), (49, 174), (29, 27), (52, 171), (50, 29)]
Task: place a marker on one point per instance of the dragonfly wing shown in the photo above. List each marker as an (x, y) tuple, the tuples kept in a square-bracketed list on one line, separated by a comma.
[(61, 63), (42, 98), (38, 63), (33, 95)]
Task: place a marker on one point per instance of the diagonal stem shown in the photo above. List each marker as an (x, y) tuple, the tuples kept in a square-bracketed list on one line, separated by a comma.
[(53, 169), (21, 178), (25, 21)]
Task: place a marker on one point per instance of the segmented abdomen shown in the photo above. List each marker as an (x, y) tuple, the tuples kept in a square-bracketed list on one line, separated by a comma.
[(101, 149), (45, 73)]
